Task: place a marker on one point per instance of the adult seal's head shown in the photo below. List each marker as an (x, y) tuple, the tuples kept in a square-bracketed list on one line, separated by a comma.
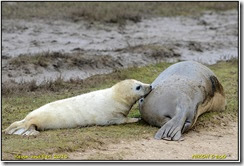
[(180, 94)]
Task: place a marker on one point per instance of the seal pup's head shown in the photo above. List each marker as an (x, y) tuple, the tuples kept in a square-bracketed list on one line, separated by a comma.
[(129, 91)]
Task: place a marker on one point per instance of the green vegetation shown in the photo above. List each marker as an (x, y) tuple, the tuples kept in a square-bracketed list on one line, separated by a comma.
[(108, 12), (16, 105)]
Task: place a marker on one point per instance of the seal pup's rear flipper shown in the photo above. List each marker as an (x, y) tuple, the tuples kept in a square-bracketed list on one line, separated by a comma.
[(19, 128)]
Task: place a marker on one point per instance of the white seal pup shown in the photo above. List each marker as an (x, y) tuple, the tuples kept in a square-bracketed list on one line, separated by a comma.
[(102, 107), (180, 94)]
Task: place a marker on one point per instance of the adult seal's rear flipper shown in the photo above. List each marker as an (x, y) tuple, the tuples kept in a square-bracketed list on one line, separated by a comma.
[(170, 131), (173, 129)]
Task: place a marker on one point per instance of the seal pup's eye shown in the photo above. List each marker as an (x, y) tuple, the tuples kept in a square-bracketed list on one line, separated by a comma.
[(138, 87)]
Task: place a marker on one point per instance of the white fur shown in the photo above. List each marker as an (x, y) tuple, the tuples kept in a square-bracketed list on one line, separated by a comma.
[(87, 109), (102, 107)]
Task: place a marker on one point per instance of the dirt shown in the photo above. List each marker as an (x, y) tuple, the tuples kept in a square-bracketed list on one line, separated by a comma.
[(207, 38), (218, 143)]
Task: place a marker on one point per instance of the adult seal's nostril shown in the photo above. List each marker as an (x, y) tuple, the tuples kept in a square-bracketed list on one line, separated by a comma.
[(184, 91), (151, 87)]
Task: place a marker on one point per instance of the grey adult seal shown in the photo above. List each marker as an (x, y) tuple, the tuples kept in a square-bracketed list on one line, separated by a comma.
[(180, 95)]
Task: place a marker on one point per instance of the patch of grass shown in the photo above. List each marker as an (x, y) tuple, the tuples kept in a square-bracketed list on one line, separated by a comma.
[(59, 60), (41, 59), (108, 12), (63, 141)]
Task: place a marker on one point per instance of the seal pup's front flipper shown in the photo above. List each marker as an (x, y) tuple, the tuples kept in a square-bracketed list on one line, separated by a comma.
[(124, 120)]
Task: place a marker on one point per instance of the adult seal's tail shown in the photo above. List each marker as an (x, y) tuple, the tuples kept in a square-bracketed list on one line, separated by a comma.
[(180, 95)]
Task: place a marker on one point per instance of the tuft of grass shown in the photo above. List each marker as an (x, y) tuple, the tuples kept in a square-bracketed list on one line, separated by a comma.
[(40, 59), (108, 12), (63, 141)]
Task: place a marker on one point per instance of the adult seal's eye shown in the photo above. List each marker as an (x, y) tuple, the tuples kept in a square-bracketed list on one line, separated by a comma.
[(138, 87)]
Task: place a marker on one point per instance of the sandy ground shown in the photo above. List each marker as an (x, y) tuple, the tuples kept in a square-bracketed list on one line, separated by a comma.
[(207, 39), (220, 143)]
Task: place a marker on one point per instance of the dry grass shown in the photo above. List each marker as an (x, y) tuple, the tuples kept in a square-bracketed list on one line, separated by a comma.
[(108, 12), (40, 59)]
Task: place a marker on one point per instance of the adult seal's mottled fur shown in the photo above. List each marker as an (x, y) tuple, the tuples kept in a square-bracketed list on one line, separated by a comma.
[(180, 94), (102, 107)]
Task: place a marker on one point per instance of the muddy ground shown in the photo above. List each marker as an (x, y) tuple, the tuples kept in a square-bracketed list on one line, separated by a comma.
[(103, 48)]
